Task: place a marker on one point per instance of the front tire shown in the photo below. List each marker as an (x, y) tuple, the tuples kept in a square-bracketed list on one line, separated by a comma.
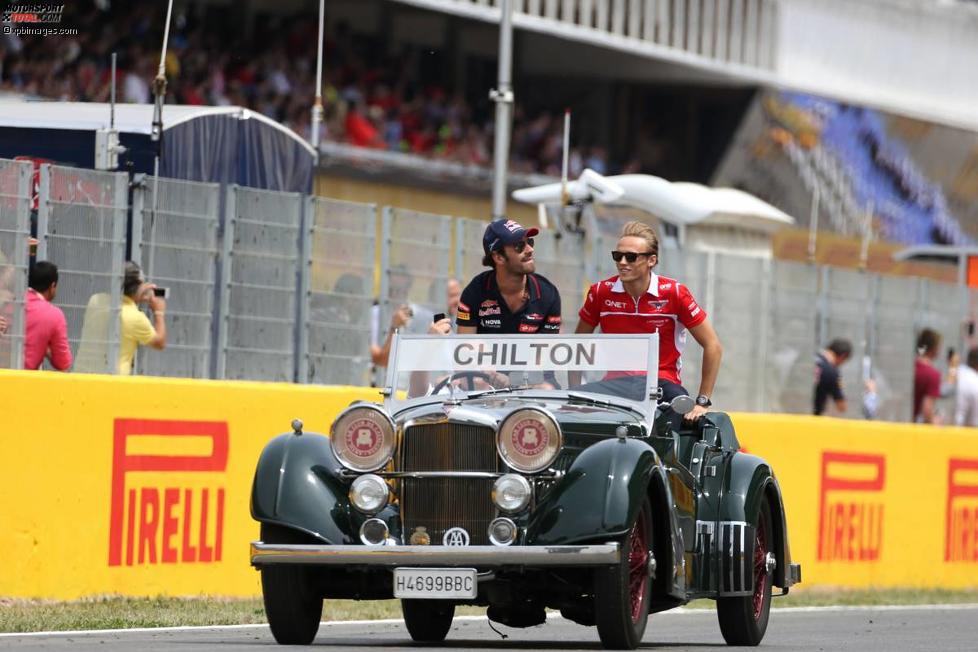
[(293, 606), (428, 621), (743, 619), (622, 593)]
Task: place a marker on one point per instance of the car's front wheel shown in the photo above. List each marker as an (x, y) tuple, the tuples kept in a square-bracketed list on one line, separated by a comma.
[(743, 619), (622, 592), (428, 621), (293, 606)]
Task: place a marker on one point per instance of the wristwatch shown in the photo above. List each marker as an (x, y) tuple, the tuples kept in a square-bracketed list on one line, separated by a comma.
[(703, 400)]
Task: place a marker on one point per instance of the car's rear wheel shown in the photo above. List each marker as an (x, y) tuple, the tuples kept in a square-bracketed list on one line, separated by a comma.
[(428, 621), (293, 606), (743, 619), (622, 592)]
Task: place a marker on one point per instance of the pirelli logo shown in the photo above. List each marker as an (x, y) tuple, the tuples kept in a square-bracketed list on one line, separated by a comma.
[(851, 517), (167, 503), (961, 533)]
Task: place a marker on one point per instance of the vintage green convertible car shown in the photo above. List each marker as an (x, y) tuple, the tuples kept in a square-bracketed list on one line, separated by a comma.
[(521, 473)]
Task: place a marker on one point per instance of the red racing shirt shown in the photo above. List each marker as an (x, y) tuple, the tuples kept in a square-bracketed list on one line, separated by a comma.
[(667, 308)]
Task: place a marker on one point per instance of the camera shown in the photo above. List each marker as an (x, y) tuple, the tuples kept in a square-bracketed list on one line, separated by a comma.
[(438, 317), (161, 292)]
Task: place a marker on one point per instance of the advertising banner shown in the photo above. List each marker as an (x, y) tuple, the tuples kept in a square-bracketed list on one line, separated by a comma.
[(871, 503), (140, 486)]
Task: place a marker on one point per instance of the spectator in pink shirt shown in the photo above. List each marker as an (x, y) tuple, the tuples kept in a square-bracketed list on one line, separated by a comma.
[(46, 331)]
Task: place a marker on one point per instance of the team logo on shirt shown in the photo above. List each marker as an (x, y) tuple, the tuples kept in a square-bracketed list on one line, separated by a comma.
[(534, 316), (493, 310), (659, 305), (665, 286), (529, 328), (618, 305), (553, 320), (491, 323)]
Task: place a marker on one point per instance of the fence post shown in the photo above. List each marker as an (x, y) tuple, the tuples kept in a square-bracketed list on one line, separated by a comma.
[(43, 211), (138, 204), (224, 293), (459, 250), (763, 334), (307, 225), (120, 205)]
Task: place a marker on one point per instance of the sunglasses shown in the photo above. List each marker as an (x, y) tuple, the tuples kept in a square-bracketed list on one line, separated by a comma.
[(521, 245), (630, 256)]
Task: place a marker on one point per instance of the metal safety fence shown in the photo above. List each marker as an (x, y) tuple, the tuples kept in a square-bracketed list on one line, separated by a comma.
[(175, 236), (283, 287), (260, 273), (15, 204), (81, 224)]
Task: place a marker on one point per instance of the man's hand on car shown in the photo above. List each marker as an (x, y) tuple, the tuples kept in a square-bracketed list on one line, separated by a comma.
[(694, 415)]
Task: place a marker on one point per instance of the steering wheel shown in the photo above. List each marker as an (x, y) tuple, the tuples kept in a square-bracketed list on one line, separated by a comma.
[(470, 375)]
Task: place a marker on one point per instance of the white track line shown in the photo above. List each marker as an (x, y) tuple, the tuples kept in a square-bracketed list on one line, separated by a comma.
[(551, 615)]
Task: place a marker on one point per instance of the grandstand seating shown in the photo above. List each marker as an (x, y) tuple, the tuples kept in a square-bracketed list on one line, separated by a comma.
[(879, 174)]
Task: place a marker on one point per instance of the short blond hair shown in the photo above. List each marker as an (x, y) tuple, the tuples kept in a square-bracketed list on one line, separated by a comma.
[(642, 230)]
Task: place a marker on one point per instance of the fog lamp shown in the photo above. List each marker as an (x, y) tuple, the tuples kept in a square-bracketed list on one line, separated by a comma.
[(369, 493), (502, 532), (374, 532), (511, 492)]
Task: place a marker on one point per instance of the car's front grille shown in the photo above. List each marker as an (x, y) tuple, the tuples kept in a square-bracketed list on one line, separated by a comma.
[(438, 504)]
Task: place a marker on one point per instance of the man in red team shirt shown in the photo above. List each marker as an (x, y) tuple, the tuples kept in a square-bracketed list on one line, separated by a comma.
[(639, 301)]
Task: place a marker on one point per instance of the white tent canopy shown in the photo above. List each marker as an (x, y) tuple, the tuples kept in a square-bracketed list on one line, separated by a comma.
[(679, 203)]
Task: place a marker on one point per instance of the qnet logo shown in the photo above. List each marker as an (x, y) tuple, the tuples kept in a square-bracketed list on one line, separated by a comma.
[(156, 521), (961, 529), (850, 526)]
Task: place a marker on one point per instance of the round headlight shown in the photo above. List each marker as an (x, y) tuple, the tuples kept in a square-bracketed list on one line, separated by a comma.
[(369, 493), (362, 438), (502, 532), (511, 492), (529, 440)]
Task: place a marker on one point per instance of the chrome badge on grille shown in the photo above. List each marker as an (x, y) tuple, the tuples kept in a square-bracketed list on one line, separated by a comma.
[(455, 536)]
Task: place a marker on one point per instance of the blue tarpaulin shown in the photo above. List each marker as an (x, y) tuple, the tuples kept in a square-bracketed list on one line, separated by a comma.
[(216, 144)]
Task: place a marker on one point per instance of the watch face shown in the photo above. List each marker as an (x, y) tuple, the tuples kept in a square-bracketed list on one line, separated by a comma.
[(703, 401)]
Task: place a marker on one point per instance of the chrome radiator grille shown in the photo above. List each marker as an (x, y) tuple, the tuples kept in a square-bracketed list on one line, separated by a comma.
[(438, 504)]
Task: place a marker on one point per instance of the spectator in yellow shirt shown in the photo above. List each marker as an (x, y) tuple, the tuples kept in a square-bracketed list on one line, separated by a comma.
[(135, 329)]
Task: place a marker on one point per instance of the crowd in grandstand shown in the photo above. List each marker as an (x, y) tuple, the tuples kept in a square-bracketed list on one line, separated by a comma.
[(372, 98)]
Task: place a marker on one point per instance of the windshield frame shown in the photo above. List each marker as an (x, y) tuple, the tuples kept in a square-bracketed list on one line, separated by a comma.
[(392, 401)]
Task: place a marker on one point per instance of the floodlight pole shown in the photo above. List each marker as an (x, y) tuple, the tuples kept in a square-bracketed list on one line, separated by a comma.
[(503, 97), (317, 107)]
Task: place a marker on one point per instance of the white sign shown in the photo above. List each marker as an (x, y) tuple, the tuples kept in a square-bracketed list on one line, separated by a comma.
[(528, 353)]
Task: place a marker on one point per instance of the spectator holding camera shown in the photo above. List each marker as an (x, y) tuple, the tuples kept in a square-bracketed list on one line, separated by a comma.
[(45, 328), (135, 329)]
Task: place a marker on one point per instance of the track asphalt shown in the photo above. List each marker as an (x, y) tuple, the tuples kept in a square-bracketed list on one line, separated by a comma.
[(867, 629)]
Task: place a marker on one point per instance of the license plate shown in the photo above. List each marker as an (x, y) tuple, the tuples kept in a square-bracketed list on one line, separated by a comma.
[(435, 583)]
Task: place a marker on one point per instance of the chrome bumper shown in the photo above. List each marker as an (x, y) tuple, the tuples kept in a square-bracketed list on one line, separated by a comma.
[(481, 556)]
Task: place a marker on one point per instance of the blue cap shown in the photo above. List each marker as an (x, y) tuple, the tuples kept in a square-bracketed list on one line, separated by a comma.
[(505, 232)]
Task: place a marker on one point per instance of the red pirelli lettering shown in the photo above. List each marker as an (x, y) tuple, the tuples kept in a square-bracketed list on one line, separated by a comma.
[(961, 515), (848, 529), (154, 523)]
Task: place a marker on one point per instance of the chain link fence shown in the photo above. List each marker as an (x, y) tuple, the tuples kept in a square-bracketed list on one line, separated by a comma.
[(261, 275), (82, 218), (15, 203), (341, 239), (175, 240), (277, 286)]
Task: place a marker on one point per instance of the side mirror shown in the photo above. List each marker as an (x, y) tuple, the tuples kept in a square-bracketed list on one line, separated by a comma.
[(682, 404)]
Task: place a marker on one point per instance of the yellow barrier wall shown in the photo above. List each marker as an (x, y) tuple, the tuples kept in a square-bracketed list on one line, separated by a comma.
[(141, 486), (874, 503), (138, 486)]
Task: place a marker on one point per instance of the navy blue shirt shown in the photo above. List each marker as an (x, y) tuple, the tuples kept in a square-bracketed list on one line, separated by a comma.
[(483, 307), (828, 383)]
